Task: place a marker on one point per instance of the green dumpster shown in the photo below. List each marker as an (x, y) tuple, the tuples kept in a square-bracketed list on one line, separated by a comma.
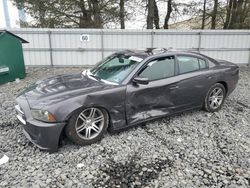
[(11, 57)]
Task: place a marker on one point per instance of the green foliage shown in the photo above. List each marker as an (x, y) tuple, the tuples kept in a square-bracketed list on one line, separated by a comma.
[(68, 13), (227, 14)]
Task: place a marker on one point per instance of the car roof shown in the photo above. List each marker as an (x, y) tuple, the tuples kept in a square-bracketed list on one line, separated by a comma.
[(150, 52)]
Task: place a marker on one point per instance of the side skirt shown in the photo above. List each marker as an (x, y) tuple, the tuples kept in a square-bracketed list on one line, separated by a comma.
[(155, 118)]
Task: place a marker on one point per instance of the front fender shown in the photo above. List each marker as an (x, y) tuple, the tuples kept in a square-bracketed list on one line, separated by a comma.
[(113, 100)]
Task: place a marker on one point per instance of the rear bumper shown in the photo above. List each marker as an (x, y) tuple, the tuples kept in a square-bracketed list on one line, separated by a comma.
[(232, 84), (44, 135)]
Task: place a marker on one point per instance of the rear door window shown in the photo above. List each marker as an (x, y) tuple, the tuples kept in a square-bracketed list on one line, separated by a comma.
[(190, 64)]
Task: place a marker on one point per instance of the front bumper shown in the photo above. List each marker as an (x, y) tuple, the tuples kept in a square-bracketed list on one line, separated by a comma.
[(44, 135)]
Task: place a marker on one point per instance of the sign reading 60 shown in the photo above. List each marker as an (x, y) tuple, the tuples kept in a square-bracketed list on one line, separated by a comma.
[(84, 38)]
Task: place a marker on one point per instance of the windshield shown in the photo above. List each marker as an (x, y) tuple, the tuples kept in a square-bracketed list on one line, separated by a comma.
[(115, 68)]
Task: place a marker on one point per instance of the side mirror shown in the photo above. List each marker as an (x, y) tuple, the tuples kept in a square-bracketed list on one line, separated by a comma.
[(141, 80)]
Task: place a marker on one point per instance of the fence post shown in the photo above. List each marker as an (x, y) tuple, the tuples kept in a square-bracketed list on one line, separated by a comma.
[(249, 58), (102, 43), (152, 39), (50, 49), (248, 64), (199, 42)]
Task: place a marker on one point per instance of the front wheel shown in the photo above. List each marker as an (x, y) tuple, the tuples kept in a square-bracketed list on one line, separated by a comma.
[(88, 126), (215, 98)]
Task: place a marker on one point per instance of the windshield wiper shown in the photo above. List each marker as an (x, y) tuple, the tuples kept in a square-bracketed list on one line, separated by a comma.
[(94, 76), (88, 73)]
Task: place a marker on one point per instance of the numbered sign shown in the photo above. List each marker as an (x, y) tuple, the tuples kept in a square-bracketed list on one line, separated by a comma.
[(84, 38)]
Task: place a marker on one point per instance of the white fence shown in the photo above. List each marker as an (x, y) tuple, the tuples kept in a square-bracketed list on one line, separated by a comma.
[(67, 47)]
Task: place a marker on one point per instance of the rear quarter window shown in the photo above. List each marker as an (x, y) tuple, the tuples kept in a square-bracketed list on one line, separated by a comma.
[(202, 63)]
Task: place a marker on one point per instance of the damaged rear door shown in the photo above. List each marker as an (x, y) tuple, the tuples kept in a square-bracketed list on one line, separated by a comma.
[(153, 99)]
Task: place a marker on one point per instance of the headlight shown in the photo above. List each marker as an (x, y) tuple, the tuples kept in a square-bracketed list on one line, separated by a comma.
[(43, 115)]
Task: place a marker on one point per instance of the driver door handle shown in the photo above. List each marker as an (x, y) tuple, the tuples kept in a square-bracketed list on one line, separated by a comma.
[(209, 77)]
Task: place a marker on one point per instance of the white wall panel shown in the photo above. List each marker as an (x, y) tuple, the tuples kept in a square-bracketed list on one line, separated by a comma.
[(36, 58), (106, 54), (76, 58), (126, 41), (73, 41), (225, 41), (35, 40), (65, 47), (176, 41), (239, 57)]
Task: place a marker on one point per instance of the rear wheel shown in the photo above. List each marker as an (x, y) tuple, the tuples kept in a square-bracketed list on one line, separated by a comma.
[(215, 98), (88, 126)]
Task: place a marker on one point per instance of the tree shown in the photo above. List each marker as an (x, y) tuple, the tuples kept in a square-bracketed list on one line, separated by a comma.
[(214, 14), (204, 15), (156, 16), (228, 14), (122, 14), (67, 13), (238, 15), (150, 16), (169, 10)]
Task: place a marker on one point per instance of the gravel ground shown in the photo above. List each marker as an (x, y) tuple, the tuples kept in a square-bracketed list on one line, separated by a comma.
[(194, 149)]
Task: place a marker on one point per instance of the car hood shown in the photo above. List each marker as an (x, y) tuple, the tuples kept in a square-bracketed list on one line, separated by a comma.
[(62, 87)]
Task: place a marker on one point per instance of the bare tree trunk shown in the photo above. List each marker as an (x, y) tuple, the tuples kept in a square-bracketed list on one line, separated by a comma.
[(83, 17), (233, 19), (244, 12), (168, 14), (237, 15), (98, 23), (41, 15), (214, 15), (122, 14), (240, 13), (228, 15), (204, 15), (150, 16), (85, 20), (156, 16)]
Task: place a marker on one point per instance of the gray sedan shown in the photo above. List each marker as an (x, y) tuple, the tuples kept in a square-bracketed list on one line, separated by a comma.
[(125, 89)]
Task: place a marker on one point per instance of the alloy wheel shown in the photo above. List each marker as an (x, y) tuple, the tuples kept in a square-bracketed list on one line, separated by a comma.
[(89, 123), (216, 98)]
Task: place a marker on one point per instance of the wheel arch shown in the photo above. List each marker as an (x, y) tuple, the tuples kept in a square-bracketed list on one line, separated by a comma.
[(205, 103), (225, 85), (78, 110)]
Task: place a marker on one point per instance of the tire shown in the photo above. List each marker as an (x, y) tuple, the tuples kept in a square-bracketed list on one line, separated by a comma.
[(87, 126), (215, 98)]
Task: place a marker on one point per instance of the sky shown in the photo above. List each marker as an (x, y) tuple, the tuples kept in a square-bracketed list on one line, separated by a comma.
[(13, 15)]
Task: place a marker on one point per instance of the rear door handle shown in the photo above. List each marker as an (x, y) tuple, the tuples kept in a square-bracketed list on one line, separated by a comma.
[(174, 87)]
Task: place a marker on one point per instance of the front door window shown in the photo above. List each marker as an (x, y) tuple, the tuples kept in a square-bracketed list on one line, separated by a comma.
[(159, 69)]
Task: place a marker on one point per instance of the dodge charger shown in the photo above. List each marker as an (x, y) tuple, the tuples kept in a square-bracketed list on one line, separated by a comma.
[(127, 88)]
